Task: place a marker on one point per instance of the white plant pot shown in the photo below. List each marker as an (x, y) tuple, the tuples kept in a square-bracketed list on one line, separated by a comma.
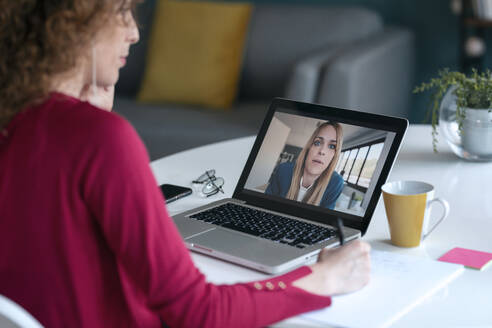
[(477, 132), (473, 141)]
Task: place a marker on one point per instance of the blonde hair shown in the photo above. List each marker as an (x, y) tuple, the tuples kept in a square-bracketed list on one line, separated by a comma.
[(315, 193)]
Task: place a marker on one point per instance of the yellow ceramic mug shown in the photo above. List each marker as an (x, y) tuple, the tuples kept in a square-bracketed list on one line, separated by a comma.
[(408, 205)]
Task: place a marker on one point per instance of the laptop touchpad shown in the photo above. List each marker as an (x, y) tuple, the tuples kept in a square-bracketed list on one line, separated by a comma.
[(188, 228), (248, 248)]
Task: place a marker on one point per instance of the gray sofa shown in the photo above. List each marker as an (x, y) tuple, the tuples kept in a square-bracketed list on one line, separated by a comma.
[(338, 56)]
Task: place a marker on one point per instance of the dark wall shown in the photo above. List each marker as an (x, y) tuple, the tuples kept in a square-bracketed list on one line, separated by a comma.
[(436, 29)]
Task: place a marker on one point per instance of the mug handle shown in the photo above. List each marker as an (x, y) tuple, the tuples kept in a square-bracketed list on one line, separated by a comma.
[(445, 205)]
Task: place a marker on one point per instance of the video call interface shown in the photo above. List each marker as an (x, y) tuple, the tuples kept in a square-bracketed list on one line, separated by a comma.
[(322, 163)]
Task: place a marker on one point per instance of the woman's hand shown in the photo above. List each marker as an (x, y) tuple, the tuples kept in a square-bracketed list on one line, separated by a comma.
[(101, 97), (338, 271)]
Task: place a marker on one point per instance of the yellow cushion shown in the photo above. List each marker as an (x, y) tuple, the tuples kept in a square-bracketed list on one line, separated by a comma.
[(195, 53)]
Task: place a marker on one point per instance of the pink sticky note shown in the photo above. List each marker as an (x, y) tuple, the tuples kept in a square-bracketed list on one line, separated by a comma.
[(468, 257)]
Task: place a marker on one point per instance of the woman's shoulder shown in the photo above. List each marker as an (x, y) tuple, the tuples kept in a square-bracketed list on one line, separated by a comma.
[(333, 190), (286, 166), (337, 176), (285, 169), (336, 181), (69, 123), (78, 109), (80, 118)]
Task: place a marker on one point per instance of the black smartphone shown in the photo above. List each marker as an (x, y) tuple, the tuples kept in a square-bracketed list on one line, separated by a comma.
[(173, 192)]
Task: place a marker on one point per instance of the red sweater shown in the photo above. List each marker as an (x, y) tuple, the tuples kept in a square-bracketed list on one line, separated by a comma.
[(86, 241)]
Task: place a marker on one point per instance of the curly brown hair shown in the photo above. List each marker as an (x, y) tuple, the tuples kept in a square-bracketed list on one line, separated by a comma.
[(42, 39)]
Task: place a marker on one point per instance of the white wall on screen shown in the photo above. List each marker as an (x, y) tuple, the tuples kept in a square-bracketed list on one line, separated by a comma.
[(267, 157)]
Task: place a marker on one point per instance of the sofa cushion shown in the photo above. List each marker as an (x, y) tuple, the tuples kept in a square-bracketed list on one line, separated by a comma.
[(167, 129), (195, 53), (280, 35)]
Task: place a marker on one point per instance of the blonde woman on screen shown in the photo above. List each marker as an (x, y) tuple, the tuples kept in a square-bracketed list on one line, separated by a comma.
[(312, 178)]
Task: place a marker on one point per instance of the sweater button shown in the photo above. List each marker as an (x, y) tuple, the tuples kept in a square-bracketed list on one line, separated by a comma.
[(269, 285), (282, 285), (258, 286)]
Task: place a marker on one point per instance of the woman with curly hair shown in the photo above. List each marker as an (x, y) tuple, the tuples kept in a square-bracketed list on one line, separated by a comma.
[(85, 239)]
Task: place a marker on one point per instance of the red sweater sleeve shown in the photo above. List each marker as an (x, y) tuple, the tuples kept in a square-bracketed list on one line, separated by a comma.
[(123, 196)]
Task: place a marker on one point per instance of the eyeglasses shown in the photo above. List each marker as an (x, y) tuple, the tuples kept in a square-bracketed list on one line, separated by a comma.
[(211, 184)]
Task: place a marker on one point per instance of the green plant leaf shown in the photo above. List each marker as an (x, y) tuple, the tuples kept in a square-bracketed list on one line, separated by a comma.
[(474, 91)]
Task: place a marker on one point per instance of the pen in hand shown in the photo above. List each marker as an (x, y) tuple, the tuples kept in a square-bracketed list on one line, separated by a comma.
[(341, 237)]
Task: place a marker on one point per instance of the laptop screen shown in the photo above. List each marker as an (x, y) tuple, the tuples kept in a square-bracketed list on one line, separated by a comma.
[(322, 160)]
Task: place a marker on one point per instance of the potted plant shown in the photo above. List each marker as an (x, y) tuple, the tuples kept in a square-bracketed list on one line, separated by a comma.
[(461, 105)]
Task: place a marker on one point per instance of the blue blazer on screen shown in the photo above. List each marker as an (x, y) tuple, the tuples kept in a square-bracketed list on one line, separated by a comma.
[(280, 184)]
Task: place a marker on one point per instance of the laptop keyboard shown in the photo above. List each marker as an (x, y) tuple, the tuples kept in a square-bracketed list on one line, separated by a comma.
[(266, 225)]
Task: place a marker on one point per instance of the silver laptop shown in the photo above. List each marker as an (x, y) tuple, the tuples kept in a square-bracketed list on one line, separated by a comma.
[(309, 166)]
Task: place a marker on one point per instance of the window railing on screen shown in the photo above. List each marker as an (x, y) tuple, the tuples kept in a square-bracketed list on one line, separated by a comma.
[(357, 164)]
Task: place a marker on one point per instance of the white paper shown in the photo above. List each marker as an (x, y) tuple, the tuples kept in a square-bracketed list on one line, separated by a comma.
[(398, 283)]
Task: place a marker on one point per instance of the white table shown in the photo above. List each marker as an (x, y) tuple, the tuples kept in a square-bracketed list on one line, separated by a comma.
[(467, 301)]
